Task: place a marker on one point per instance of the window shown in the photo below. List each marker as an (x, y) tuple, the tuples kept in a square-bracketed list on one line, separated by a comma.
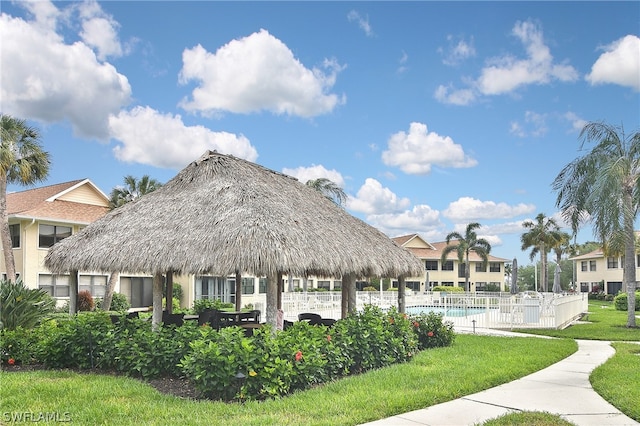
[(461, 270), (612, 262), (637, 260), (413, 285), (448, 265), (248, 285), (55, 285), (447, 283), (431, 265), (95, 284), (337, 285), (494, 267), (324, 284), (592, 265), (262, 285), (481, 267), (583, 266), (14, 230), (139, 290), (51, 234)]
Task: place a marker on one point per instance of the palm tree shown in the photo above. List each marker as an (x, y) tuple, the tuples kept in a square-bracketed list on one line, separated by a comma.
[(121, 195), (329, 189), (466, 244), (605, 184), (22, 161), (543, 235)]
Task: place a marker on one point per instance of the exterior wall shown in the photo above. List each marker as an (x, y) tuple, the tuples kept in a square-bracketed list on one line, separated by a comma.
[(84, 194), (604, 278), (440, 277)]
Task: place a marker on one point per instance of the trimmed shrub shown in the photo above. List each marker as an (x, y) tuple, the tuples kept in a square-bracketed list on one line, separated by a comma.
[(431, 331), (620, 301), (119, 303), (24, 345), (21, 306), (85, 301), (203, 304), (448, 289)]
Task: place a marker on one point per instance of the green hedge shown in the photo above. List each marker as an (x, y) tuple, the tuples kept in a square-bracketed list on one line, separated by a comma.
[(226, 364), (620, 301)]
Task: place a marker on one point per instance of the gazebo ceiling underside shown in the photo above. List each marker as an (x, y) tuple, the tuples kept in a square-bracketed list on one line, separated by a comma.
[(221, 214)]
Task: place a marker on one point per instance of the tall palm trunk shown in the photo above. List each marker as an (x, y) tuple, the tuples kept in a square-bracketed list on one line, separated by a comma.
[(543, 268), (7, 247), (629, 267), (108, 293)]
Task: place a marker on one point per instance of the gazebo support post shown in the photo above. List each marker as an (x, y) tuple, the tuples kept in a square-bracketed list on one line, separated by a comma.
[(280, 290), (271, 316), (169, 292), (351, 297), (73, 292), (348, 294), (401, 295), (238, 291), (156, 317)]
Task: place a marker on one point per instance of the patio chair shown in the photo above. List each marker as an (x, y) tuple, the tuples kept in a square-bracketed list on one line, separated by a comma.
[(313, 319), (172, 319), (205, 316)]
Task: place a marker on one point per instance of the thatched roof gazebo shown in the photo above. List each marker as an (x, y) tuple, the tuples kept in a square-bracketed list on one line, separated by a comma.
[(222, 215)]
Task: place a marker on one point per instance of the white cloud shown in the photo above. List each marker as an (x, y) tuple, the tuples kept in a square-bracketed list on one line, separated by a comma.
[(457, 51), (99, 30), (619, 64), (536, 125), (452, 96), (372, 198), (467, 209), (32, 88), (363, 22), (415, 152), (305, 174), (422, 219), (163, 140), (505, 74), (577, 123), (255, 73)]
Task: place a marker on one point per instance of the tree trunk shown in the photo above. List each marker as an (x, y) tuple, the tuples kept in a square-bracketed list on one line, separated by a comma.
[(169, 296), (73, 292), (543, 268), (629, 267), (402, 300), (108, 293), (156, 318), (352, 300), (344, 293), (238, 291), (271, 316), (7, 248)]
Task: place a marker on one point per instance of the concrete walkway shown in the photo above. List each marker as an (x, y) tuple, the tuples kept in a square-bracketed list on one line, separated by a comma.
[(562, 388)]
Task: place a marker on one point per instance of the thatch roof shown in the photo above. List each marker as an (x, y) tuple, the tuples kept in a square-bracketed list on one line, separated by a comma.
[(221, 214)]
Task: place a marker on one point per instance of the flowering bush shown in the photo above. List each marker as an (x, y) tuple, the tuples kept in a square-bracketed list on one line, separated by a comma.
[(432, 331)]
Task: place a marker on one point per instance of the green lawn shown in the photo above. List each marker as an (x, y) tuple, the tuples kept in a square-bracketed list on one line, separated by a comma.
[(472, 364)]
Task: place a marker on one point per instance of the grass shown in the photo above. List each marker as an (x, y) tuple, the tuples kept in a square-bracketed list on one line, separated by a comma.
[(533, 418), (603, 322), (472, 364)]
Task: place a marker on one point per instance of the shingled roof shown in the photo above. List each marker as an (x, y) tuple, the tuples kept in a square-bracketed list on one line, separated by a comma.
[(433, 251), (55, 202)]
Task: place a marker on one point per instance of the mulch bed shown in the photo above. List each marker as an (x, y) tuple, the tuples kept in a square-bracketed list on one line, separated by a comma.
[(179, 387)]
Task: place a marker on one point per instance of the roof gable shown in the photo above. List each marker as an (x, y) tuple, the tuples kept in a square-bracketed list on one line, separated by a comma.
[(412, 241), (75, 201)]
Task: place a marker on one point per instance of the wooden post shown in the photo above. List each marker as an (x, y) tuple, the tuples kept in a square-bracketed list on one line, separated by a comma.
[(352, 305), (170, 292), (156, 317), (280, 290), (345, 298), (272, 299), (401, 295), (238, 291), (73, 292)]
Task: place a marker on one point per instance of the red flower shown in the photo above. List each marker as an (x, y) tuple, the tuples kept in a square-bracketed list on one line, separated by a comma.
[(298, 356), (416, 324), (11, 361), (328, 337), (430, 334)]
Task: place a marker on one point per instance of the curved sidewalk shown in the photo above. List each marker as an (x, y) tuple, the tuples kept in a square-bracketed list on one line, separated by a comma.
[(562, 388)]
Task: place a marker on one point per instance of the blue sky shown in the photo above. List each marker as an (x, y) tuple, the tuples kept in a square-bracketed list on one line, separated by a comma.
[(430, 115)]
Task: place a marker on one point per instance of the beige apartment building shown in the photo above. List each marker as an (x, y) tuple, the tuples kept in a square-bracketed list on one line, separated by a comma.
[(596, 272), (451, 273)]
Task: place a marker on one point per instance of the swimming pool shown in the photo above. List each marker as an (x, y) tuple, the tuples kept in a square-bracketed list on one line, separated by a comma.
[(449, 312)]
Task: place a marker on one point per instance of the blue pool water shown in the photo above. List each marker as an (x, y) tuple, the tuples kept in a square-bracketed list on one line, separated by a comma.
[(450, 312)]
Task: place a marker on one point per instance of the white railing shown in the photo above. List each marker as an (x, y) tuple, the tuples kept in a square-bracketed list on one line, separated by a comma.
[(482, 310)]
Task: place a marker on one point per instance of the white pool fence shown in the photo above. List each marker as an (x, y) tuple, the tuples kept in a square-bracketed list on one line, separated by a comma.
[(482, 310)]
